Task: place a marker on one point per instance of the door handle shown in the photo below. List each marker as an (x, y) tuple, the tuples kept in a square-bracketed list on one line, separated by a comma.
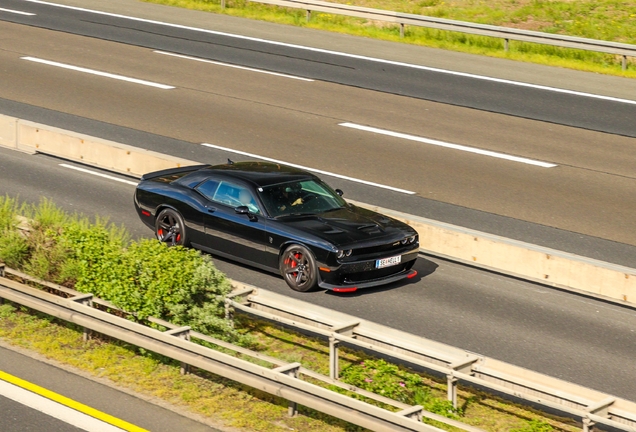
[(210, 209)]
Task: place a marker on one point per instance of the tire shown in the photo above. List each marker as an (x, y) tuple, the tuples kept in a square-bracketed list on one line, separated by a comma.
[(170, 228), (298, 267)]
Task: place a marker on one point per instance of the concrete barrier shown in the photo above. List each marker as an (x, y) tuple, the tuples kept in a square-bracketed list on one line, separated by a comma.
[(33, 137), (8, 131), (523, 260), (511, 257)]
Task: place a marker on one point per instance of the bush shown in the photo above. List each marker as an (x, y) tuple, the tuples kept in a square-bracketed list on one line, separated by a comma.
[(145, 278), (9, 211), (13, 248), (394, 382)]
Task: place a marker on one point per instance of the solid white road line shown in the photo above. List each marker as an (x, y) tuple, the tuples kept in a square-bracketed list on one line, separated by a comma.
[(233, 66), (54, 409), (98, 174), (404, 191), (16, 12), (94, 72), (480, 77), (450, 145)]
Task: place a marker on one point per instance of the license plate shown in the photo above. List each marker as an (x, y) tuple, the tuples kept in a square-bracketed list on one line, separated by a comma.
[(387, 262)]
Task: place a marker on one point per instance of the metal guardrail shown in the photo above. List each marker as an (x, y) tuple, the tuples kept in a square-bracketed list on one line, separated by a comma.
[(284, 379), (590, 407), (505, 33)]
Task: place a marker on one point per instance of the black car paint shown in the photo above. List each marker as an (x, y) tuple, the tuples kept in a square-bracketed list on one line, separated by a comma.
[(259, 240)]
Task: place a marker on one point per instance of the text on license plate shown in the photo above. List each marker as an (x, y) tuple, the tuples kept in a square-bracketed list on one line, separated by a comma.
[(386, 262)]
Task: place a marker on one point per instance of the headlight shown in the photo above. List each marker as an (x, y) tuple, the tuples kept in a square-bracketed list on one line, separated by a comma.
[(405, 241), (343, 253), (412, 239)]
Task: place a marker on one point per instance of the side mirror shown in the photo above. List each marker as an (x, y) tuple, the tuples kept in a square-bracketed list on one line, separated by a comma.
[(339, 192), (246, 211)]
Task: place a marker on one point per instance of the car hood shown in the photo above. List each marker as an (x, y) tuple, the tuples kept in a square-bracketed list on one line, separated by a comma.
[(350, 225)]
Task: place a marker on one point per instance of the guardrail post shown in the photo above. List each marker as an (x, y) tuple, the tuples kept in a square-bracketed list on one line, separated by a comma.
[(293, 370), (624, 62), (229, 312), (506, 44), (451, 385), (85, 299), (222, 4), (401, 30), (183, 333), (308, 15), (600, 408), (345, 330), (229, 300), (334, 370), (464, 366)]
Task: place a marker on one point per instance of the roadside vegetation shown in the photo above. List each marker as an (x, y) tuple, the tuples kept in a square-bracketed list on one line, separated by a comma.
[(182, 286), (609, 20)]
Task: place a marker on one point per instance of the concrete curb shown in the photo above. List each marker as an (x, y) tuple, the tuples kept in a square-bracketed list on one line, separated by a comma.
[(546, 266)]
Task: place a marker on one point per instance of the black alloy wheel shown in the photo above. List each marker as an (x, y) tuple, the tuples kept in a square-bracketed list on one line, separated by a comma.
[(298, 267), (170, 228)]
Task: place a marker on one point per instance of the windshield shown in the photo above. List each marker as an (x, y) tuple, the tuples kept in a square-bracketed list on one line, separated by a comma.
[(300, 197)]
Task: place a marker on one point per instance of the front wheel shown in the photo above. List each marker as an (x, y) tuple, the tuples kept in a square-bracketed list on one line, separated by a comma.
[(170, 228), (298, 267)]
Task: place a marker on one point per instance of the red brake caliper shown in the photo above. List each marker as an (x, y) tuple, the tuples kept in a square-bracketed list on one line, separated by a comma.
[(292, 263)]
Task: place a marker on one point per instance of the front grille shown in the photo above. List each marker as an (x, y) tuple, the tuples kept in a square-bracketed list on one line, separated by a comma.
[(371, 275), (378, 249)]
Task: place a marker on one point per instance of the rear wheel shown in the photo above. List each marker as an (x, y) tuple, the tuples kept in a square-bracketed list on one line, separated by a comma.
[(170, 228), (298, 267)]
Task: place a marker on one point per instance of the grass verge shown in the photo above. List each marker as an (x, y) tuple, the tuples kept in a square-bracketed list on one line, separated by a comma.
[(227, 404), (610, 20)]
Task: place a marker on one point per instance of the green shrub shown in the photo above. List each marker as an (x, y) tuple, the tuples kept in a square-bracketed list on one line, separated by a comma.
[(13, 248), (397, 383), (6, 310), (46, 215), (9, 210), (144, 278)]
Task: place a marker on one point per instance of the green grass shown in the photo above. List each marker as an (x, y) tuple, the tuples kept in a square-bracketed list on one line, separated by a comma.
[(609, 20), (229, 404)]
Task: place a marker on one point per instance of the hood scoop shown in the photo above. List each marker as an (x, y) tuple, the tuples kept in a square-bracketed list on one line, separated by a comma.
[(370, 228), (333, 231), (367, 226), (322, 226)]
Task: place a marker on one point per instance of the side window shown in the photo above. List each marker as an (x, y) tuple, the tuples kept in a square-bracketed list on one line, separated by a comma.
[(208, 188), (234, 196)]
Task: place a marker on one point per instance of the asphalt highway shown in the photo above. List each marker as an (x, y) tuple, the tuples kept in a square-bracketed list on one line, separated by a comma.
[(97, 394), (574, 338), (469, 148), (452, 154)]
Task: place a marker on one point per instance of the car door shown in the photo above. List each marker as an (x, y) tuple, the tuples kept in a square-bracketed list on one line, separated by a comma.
[(241, 236)]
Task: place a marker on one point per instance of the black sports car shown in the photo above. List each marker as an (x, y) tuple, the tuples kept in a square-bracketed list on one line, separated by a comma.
[(280, 219)]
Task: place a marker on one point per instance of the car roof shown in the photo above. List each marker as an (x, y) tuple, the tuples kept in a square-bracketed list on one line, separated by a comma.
[(260, 174)]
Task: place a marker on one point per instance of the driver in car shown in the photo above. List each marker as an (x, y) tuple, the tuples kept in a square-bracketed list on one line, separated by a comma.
[(289, 197)]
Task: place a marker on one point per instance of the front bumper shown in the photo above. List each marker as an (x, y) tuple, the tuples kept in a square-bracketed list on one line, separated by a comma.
[(363, 274)]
